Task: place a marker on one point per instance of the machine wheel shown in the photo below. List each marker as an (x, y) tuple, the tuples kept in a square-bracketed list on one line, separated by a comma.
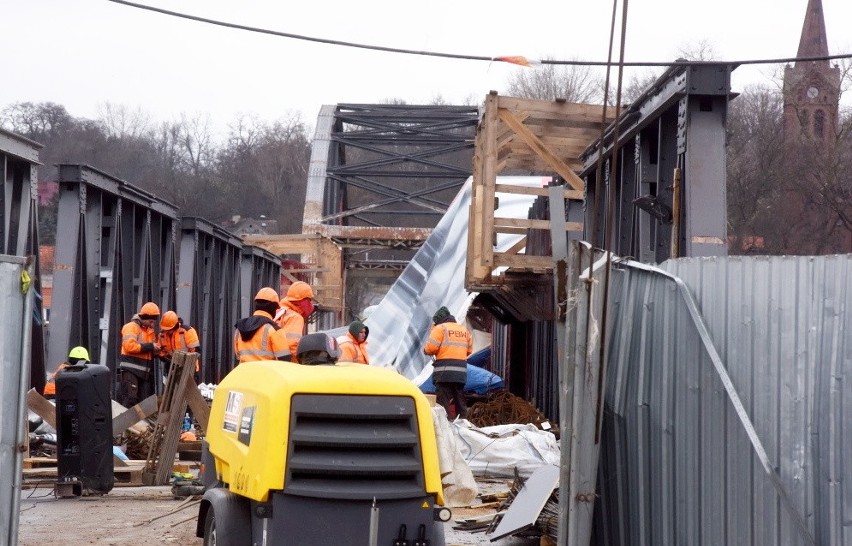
[(228, 520), (210, 528)]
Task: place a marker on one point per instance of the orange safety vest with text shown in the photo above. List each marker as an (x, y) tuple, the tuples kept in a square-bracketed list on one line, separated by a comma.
[(449, 340)]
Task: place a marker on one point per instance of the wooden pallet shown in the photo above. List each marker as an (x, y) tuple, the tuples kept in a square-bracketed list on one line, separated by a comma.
[(38, 462), (130, 475)]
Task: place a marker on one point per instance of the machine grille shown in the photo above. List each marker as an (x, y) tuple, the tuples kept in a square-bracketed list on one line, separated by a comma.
[(354, 447)]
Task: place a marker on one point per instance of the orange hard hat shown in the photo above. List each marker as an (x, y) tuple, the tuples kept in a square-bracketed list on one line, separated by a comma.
[(149, 309), (299, 291), (267, 294), (169, 320)]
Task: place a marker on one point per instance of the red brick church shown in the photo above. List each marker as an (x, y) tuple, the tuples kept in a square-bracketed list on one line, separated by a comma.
[(814, 185)]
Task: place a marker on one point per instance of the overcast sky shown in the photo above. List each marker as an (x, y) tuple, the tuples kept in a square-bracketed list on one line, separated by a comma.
[(84, 53)]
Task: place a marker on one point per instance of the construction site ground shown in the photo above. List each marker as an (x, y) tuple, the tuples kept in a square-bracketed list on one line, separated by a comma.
[(148, 516)]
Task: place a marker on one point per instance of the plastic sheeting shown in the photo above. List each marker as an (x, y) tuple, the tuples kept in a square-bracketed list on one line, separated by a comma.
[(400, 323), (459, 486), (497, 451), (478, 380)]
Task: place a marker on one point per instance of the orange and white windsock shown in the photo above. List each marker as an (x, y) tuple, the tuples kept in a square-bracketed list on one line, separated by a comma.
[(518, 59)]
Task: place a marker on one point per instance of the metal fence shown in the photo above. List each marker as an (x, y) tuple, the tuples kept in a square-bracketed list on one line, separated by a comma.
[(19, 226), (14, 377), (682, 461)]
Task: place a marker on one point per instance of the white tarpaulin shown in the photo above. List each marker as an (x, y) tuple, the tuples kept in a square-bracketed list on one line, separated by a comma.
[(496, 451)]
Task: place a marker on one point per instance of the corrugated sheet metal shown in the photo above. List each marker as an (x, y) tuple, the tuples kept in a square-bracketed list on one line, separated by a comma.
[(677, 466)]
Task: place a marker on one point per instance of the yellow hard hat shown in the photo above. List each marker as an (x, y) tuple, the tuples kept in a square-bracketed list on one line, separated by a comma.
[(267, 294), (79, 353), (169, 320)]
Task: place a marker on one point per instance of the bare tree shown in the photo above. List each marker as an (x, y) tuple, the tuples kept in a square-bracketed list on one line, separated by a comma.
[(702, 50), (121, 121), (36, 120), (574, 83), (264, 167), (755, 161)]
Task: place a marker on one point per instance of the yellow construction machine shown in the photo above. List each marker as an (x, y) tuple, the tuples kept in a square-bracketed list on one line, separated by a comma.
[(304, 455)]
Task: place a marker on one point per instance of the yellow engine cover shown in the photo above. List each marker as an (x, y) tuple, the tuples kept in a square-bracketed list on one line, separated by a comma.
[(249, 420)]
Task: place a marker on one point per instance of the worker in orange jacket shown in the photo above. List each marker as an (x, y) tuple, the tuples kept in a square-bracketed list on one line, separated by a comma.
[(353, 345), (77, 355), (174, 336), (258, 337), (295, 309), (136, 363), (450, 343)]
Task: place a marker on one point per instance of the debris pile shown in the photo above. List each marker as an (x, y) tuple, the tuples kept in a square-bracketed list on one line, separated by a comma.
[(532, 507), (138, 443), (503, 408)]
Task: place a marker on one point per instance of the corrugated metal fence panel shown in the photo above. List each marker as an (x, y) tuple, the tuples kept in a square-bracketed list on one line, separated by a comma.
[(19, 227), (677, 466)]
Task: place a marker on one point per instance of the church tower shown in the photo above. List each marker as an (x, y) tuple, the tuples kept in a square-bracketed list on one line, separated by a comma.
[(811, 88), (810, 221)]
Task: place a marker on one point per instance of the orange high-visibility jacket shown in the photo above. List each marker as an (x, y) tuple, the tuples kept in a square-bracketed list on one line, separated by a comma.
[(137, 346), (179, 339), (292, 323), (266, 342), (351, 350), (50, 385), (449, 340)]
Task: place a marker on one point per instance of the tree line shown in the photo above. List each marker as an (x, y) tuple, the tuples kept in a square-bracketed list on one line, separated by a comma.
[(260, 167)]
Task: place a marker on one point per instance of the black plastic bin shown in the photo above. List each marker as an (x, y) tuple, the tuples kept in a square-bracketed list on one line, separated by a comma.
[(84, 428)]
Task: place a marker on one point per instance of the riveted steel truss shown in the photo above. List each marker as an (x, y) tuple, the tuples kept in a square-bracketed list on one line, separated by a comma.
[(118, 246), (389, 165), (382, 175), (115, 250), (217, 279), (19, 227)]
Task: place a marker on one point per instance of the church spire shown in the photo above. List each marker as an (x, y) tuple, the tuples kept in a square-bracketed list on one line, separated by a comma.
[(813, 42)]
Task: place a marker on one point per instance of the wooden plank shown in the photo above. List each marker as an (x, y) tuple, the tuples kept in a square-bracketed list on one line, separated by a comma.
[(489, 179), (564, 153), (130, 417), (42, 407), (535, 165), (38, 462), (533, 224), (197, 405), (571, 111), (517, 247), (535, 143), (166, 434), (523, 261), (527, 190), (512, 230)]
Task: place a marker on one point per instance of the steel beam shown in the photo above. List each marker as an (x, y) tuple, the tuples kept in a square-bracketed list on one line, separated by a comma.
[(676, 126)]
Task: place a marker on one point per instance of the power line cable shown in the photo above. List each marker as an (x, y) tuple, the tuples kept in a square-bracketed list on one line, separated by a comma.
[(514, 60)]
